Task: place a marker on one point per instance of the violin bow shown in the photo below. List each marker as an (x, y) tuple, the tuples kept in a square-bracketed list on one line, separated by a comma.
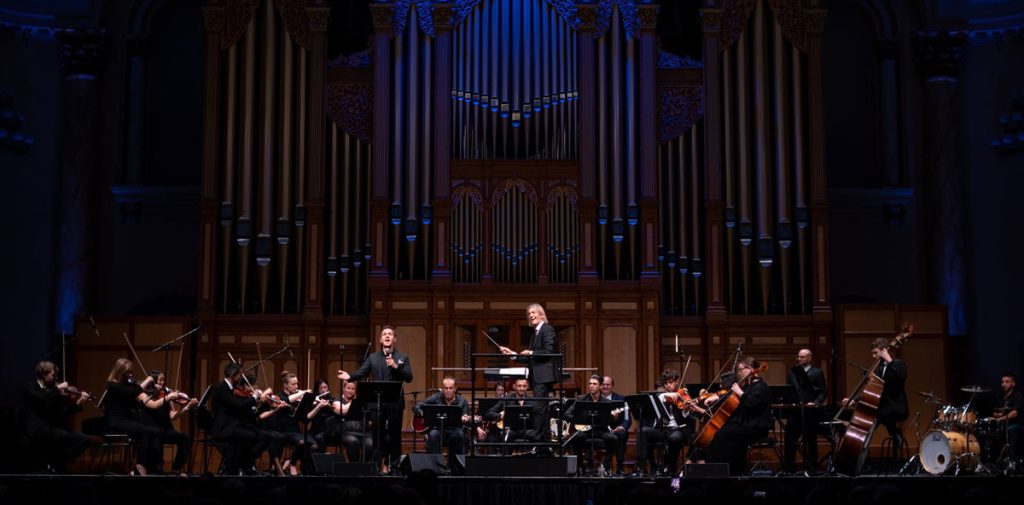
[(142, 368)]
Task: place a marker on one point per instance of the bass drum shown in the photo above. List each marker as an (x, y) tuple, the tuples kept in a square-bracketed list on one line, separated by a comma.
[(941, 449)]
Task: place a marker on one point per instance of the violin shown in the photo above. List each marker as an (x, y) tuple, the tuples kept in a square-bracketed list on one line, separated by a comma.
[(73, 394), (181, 399)]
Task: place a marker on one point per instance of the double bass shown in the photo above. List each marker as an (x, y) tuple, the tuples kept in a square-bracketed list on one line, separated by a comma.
[(852, 449)]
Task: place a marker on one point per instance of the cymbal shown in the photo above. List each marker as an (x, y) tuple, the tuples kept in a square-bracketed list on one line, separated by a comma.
[(930, 397), (974, 389)]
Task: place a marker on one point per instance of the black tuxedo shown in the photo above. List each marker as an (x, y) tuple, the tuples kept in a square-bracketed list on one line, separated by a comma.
[(376, 368), (810, 388), (234, 420), (45, 414), (581, 441), (654, 433), (543, 373)]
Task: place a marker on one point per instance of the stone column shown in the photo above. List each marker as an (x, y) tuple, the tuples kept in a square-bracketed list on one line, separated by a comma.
[(939, 57), (82, 53)]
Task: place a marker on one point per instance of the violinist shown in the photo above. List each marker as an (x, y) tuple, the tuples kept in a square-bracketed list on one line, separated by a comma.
[(285, 422), (676, 430), (123, 399), (163, 406), (234, 407), (750, 422), (322, 426), (356, 437), (46, 415)]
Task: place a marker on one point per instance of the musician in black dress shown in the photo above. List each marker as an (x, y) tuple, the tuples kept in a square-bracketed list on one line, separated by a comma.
[(285, 422), (354, 434), (676, 431), (1008, 411), (749, 423), (46, 416), (581, 440), (161, 412), (809, 382), (388, 364), (322, 427), (543, 372), (454, 436), (121, 407)]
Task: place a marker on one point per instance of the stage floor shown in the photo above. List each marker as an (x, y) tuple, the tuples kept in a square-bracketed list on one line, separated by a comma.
[(433, 490)]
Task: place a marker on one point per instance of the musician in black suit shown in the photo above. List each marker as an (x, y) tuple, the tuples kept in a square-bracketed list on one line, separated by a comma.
[(543, 373), (750, 422), (454, 436), (46, 414), (621, 431), (676, 430), (388, 364), (581, 440), (809, 382), (234, 421), (892, 406)]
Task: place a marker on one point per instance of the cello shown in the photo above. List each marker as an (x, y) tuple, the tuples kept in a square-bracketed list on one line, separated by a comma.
[(852, 449), (728, 405)]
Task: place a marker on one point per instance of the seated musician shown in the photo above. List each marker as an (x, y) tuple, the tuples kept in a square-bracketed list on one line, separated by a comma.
[(355, 436), (121, 404), (1008, 411), (621, 430), (454, 437), (321, 415), (286, 423), (581, 440), (511, 430), (47, 412), (809, 382), (160, 412), (234, 405), (676, 430), (750, 422)]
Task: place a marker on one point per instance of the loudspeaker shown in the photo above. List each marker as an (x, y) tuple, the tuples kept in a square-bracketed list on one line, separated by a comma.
[(420, 462), (492, 466), (706, 470), (335, 464)]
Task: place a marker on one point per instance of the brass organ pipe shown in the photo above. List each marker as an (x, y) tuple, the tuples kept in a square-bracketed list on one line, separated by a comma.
[(287, 149), (412, 162), (346, 191), (399, 138), (426, 130), (798, 167), (506, 50), (247, 147), (681, 223), (357, 222), (300, 181), (781, 153), (524, 61), (616, 96), (229, 166), (332, 230), (760, 139), (602, 127), (630, 122), (267, 175), (727, 170), (694, 194), (743, 167)]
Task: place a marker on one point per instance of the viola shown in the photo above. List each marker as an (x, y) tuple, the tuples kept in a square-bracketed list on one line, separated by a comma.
[(73, 393)]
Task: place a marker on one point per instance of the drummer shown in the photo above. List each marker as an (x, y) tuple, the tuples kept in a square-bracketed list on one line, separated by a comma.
[(1007, 412)]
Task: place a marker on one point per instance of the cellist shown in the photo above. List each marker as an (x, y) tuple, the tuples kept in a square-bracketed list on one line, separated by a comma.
[(892, 405), (749, 422)]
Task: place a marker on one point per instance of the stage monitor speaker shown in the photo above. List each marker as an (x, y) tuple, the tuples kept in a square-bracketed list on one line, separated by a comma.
[(706, 470), (493, 466), (420, 462), (335, 464)]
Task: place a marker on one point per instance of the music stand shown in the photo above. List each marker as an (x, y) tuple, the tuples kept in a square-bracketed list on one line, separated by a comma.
[(435, 416), (519, 414), (381, 393), (646, 407)]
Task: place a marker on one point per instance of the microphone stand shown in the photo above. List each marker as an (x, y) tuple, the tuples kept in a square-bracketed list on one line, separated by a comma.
[(166, 346), (268, 358)]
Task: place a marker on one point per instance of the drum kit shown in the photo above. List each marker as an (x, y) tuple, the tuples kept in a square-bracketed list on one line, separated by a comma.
[(952, 438)]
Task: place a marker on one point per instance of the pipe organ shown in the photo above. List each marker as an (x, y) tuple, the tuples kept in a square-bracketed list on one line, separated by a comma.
[(507, 148)]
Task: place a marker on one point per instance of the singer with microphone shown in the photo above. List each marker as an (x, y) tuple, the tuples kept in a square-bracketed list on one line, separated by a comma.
[(389, 364)]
